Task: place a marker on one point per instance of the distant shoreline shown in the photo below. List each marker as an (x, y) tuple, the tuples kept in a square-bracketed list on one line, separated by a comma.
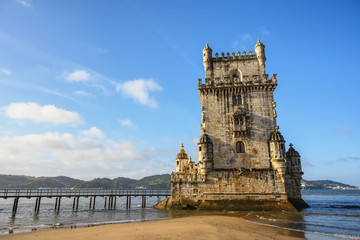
[(159, 182)]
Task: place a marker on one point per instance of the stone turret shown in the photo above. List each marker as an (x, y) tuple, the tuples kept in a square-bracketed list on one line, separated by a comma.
[(205, 154), (242, 162), (277, 153), (293, 161), (293, 173), (260, 54), (207, 60), (293, 177), (182, 160)]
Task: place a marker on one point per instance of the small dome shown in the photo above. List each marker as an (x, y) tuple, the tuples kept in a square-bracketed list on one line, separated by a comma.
[(259, 44), (276, 135), (207, 47), (204, 139), (182, 154), (292, 152)]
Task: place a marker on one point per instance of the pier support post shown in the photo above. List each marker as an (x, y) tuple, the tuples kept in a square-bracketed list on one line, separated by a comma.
[(90, 202), (94, 203), (115, 202), (74, 203), (77, 203), (14, 210), (105, 202), (58, 205), (37, 205), (143, 204)]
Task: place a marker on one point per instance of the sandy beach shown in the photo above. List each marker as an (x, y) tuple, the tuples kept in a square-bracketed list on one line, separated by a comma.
[(193, 227)]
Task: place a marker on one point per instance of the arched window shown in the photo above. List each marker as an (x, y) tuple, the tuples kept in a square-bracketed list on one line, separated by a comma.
[(236, 122), (240, 147), (234, 100)]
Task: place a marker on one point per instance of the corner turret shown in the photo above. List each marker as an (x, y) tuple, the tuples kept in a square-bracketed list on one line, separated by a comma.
[(205, 154), (277, 153), (207, 60), (260, 54), (293, 161), (182, 160), (293, 178)]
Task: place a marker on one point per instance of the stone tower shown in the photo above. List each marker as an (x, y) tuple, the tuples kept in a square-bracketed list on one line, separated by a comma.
[(242, 161)]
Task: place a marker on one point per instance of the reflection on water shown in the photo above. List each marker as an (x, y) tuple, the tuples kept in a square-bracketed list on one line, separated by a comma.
[(25, 220), (335, 212)]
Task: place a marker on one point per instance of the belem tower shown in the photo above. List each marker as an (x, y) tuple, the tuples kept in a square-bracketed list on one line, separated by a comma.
[(242, 160)]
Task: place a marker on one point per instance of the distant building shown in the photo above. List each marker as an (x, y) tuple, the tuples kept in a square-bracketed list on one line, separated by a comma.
[(242, 161)]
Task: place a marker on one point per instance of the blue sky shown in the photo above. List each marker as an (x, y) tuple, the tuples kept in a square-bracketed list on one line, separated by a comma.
[(109, 88)]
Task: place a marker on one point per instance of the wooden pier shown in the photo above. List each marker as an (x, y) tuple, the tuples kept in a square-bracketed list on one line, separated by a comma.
[(109, 196)]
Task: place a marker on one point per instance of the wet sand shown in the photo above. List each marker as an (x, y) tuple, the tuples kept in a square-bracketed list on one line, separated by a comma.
[(194, 227)]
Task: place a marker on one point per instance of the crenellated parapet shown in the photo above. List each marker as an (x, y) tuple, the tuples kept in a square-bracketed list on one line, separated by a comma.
[(235, 69), (233, 56), (249, 83), (177, 177)]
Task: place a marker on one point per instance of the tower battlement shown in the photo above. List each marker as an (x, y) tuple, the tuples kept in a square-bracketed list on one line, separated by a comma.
[(242, 159), (233, 56)]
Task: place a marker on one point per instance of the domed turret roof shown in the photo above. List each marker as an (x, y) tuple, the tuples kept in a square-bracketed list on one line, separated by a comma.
[(259, 43), (205, 138), (207, 47), (182, 154), (292, 152), (276, 135)]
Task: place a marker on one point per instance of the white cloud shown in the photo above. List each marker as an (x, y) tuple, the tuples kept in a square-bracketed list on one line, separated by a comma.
[(195, 141), (83, 94), (25, 3), (100, 50), (243, 41), (343, 130), (139, 90), (5, 71), (78, 76), (264, 31), (126, 122), (52, 154), (94, 132), (42, 114)]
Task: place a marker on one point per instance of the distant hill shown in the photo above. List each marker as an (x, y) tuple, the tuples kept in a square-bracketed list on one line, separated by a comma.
[(27, 182), (154, 182), (325, 184), (106, 183), (150, 182)]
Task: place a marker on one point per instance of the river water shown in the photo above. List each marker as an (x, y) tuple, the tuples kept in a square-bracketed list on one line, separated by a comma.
[(334, 213)]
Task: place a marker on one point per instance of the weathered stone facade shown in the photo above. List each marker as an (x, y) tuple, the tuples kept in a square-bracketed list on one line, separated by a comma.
[(242, 162)]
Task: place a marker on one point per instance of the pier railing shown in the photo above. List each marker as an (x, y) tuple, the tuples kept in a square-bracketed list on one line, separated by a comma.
[(11, 193), (108, 195)]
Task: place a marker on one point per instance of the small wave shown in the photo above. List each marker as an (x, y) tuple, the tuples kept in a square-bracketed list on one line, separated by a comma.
[(305, 231), (345, 206), (31, 228)]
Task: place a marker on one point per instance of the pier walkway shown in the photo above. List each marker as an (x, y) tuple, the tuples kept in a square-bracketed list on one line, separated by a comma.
[(108, 195)]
